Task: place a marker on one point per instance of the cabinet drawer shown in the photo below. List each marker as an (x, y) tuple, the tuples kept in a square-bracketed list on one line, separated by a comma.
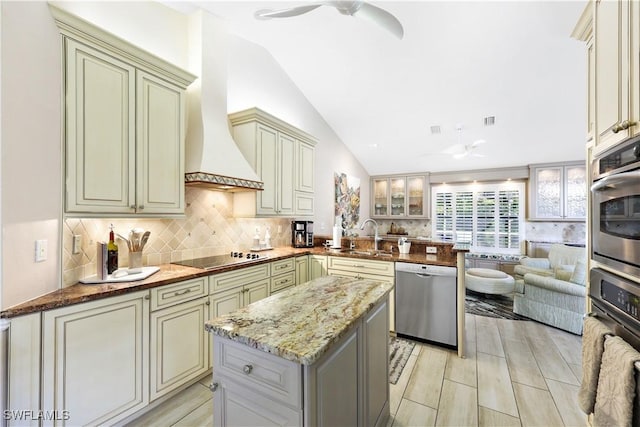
[(273, 376), (283, 266), (380, 268), (356, 275), (166, 296), (283, 281), (232, 279)]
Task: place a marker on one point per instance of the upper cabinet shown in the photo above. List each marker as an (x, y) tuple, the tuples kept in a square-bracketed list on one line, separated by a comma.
[(558, 192), (124, 125), (400, 196), (617, 51), (283, 158)]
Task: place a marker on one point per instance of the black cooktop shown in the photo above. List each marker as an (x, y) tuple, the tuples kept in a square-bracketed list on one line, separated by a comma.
[(211, 262)]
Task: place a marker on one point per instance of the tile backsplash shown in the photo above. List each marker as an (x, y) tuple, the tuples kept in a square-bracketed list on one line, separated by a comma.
[(208, 228)]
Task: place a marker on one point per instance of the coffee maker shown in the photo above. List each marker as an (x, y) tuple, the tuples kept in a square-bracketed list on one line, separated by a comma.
[(302, 234)]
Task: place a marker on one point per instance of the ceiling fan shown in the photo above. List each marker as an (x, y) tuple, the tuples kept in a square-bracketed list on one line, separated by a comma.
[(460, 150), (351, 8)]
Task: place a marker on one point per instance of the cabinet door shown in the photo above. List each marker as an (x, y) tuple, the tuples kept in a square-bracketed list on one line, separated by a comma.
[(376, 365), (398, 197), (267, 170), (576, 192), (100, 131), (612, 42), (24, 366), (302, 269), (286, 175), (548, 192), (160, 146), (95, 359), (416, 191), (226, 302), (256, 292), (305, 166), (336, 385), (180, 346), (380, 190), (317, 266)]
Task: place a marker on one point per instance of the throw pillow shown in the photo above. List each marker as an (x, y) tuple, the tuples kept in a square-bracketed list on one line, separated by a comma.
[(562, 274), (579, 273)]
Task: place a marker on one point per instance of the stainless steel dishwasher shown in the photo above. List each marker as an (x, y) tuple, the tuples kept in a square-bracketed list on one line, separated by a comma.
[(426, 303)]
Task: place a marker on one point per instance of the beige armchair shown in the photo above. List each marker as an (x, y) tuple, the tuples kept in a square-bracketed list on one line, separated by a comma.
[(552, 291)]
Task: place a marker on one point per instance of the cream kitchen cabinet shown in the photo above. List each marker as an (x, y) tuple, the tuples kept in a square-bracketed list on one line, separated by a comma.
[(317, 266), (558, 192), (179, 344), (124, 125), (302, 269), (283, 158), (95, 359), (383, 271), (400, 196), (583, 31), (283, 274), (617, 52), (23, 390)]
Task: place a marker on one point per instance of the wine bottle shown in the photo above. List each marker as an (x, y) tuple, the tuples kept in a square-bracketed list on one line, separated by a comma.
[(112, 253)]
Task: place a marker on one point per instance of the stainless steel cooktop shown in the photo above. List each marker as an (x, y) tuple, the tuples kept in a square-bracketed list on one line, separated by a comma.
[(211, 262)]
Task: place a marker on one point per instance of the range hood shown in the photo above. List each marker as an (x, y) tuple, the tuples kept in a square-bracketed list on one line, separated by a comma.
[(213, 159)]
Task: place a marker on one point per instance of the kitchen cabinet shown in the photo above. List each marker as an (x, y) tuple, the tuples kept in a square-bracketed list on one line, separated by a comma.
[(124, 125), (400, 196), (317, 266), (24, 366), (302, 269), (558, 192), (179, 344), (583, 31), (492, 264), (283, 158), (617, 52), (366, 269), (95, 359)]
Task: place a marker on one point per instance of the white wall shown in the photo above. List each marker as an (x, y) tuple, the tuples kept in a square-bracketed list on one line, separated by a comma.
[(257, 80)]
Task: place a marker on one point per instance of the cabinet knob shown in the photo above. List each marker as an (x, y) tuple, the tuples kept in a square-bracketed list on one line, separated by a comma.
[(208, 302), (247, 369), (141, 207), (213, 387), (622, 126), (147, 296), (133, 207)]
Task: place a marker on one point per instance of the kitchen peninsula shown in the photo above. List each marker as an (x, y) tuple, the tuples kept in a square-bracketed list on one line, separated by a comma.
[(316, 354)]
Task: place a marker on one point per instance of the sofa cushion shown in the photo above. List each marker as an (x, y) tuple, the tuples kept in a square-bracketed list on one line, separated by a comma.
[(560, 254), (562, 274), (579, 274)]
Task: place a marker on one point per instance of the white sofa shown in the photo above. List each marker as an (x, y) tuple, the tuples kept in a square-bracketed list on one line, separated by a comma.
[(552, 290)]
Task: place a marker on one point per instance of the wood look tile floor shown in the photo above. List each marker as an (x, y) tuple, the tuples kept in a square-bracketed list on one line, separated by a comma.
[(515, 373)]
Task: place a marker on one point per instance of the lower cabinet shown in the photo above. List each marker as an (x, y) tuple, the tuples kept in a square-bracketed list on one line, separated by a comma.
[(95, 361), (24, 366), (179, 346), (347, 386), (302, 269), (317, 266)]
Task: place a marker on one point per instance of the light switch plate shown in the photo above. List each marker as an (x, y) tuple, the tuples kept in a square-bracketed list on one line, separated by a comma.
[(77, 244), (432, 250), (41, 250)]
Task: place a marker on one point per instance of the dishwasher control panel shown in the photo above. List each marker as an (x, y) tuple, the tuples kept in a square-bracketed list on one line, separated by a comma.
[(436, 270)]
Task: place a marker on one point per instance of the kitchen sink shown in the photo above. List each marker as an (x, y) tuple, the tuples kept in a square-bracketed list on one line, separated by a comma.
[(367, 253)]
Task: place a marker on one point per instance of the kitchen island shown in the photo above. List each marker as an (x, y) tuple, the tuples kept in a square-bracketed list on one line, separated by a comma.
[(316, 354)]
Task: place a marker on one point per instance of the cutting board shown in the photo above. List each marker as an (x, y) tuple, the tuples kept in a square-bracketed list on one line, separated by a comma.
[(146, 272)]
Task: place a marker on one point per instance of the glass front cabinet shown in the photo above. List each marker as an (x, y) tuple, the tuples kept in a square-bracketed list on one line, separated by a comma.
[(558, 192), (400, 196)]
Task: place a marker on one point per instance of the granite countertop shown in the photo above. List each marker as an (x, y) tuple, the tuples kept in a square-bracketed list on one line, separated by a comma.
[(301, 323), (172, 273)]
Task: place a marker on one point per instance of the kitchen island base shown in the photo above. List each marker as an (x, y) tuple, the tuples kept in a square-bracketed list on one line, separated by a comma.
[(347, 385)]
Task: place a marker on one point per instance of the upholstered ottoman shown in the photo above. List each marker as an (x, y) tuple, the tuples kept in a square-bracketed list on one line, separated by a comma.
[(488, 281)]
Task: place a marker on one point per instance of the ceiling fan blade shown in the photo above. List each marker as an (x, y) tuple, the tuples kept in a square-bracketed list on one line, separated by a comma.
[(455, 149), (285, 13), (478, 142), (380, 17), (461, 155)]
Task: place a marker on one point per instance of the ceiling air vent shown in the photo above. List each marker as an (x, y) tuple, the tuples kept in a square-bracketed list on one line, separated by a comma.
[(435, 129), (490, 120)]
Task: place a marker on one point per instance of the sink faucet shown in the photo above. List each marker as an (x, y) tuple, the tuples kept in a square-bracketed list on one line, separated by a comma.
[(376, 237)]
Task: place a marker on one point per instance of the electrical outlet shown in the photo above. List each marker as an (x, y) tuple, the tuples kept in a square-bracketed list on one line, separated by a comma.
[(41, 250), (77, 244), (432, 250)]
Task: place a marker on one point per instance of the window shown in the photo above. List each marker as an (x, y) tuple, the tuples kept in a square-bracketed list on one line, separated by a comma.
[(490, 217)]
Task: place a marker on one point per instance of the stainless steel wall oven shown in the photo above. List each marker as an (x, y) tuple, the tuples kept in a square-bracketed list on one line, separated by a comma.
[(615, 209)]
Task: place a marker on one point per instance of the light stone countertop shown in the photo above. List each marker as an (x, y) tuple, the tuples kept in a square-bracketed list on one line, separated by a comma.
[(301, 323)]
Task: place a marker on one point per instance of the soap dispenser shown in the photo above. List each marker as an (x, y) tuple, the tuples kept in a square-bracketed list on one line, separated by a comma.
[(267, 238), (256, 239)]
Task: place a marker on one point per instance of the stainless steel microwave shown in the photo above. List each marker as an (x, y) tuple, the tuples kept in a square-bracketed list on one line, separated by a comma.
[(615, 198)]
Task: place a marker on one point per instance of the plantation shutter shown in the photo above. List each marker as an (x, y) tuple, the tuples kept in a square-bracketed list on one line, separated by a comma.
[(508, 219), (486, 219), (464, 216), (444, 216)]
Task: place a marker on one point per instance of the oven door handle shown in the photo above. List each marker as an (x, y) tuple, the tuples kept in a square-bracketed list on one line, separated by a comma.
[(609, 182)]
